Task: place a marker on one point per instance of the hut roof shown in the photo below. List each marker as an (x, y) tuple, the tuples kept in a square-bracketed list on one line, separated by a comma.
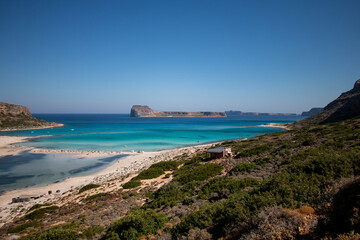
[(216, 150)]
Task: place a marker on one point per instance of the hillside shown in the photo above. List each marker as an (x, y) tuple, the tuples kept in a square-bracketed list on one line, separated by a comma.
[(346, 106), (297, 184), (146, 111), (15, 117)]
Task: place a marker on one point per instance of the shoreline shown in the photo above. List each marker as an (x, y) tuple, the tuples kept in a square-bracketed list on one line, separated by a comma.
[(276, 125), (119, 170), (32, 128)]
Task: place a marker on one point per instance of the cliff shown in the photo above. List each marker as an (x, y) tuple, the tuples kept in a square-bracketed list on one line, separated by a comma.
[(346, 106), (16, 117), (311, 112), (146, 111)]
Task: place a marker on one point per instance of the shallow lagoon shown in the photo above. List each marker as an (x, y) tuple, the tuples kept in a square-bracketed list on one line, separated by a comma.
[(115, 132), (27, 169)]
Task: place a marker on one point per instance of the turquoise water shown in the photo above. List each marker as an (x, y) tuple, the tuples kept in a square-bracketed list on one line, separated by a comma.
[(110, 132), (114, 132)]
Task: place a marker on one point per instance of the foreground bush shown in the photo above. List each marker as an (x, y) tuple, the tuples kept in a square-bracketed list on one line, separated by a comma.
[(150, 173), (243, 167), (171, 194), (166, 165), (224, 184), (136, 224), (40, 213), (59, 234), (24, 226), (197, 173), (272, 223)]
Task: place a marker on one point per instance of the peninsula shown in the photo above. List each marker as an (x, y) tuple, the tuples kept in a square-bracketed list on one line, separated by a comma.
[(240, 113), (16, 117), (146, 111)]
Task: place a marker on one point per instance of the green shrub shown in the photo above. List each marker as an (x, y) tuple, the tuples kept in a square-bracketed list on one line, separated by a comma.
[(215, 217), (88, 187), (149, 174), (262, 161), (254, 151), (201, 172), (36, 206), (24, 226), (243, 167), (40, 213), (95, 196), (92, 231), (166, 165), (59, 234), (170, 194), (131, 184), (217, 185), (136, 224)]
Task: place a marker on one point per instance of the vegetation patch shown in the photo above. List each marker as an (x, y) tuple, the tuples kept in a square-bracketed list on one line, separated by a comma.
[(88, 187), (39, 213), (95, 196), (166, 165), (150, 173), (243, 167), (24, 226), (36, 206), (171, 194), (200, 172), (59, 234), (225, 186), (136, 224), (131, 184)]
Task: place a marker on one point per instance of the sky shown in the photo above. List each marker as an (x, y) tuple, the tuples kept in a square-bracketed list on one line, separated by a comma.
[(73, 56)]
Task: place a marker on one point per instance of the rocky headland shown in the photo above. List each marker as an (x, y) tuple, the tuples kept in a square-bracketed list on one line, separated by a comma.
[(16, 117), (146, 111), (311, 112), (240, 113), (346, 106)]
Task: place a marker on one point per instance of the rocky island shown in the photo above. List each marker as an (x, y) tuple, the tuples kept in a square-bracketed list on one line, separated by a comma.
[(146, 111), (16, 117)]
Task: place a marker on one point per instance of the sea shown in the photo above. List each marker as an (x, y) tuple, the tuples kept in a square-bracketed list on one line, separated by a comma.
[(115, 132)]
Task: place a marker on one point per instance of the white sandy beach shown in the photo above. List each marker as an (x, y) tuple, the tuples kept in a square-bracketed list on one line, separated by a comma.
[(276, 125), (121, 169)]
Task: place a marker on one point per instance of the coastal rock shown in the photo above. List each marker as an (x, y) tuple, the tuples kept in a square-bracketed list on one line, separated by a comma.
[(146, 111), (11, 109), (311, 112), (16, 117)]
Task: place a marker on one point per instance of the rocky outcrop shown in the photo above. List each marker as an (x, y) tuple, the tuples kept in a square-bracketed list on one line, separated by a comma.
[(312, 112), (6, 108), (15, 117), (344, 107), (146, 111)]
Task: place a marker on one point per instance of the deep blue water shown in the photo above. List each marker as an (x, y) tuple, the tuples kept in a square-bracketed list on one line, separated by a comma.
[(115, 132)]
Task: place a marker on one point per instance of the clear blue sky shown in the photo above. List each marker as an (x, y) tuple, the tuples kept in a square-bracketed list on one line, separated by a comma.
[(104, 56)]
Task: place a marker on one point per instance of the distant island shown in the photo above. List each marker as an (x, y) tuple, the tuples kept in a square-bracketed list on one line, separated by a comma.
[(146, 111), (240, 113), (16, 117)]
